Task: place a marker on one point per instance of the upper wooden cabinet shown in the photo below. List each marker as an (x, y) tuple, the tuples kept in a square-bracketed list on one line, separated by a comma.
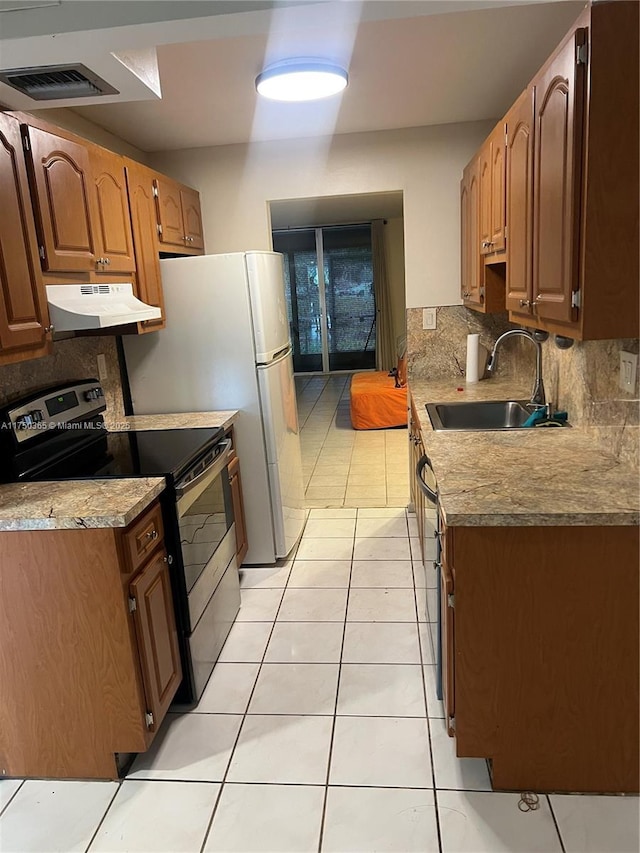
[(519, 208), (179, 217), (64, 193), (482, 280), (571, 204), (23, 305), (559, 103), (113, 238), (471, 269), (492, 192), (140, 183)]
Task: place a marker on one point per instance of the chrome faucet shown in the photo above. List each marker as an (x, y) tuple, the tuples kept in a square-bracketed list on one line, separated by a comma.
[(537, 395)]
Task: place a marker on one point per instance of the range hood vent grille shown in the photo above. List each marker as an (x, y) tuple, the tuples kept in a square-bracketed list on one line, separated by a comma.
[(56, 82), (89, 289)]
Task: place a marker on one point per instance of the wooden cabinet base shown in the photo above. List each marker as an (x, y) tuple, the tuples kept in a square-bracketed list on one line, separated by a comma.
[(73, 693), (546, 655)]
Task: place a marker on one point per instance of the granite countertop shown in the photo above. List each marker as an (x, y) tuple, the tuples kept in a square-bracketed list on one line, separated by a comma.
[(75, 504), (183, 420), (554, 477), (115, 502)]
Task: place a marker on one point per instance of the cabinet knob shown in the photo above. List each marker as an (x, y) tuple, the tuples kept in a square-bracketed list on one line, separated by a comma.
[(48, 329), (525, 303), (107, 261), (152, 534)]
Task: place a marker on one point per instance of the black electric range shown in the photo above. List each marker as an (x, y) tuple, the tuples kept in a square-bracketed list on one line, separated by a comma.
[(59, 433)]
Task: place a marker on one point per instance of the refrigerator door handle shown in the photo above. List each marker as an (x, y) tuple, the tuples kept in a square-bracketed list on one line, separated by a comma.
[(278, 357)]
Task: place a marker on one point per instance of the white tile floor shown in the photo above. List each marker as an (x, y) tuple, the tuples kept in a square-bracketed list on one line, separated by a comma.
[(343, 466), (320, 728)]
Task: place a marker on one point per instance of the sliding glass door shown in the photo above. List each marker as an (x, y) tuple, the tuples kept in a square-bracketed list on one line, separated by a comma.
[(330, 297)]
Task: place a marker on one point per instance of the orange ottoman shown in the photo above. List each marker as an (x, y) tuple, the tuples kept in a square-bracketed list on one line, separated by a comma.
[(376, 403)]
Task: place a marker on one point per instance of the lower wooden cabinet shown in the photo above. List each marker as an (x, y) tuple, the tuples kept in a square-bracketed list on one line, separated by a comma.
[(238, 509), (89, 657), (151, 603), (416, 452), (540, 654)]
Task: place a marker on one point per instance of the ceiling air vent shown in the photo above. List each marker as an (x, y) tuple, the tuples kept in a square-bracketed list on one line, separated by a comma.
[(56, 82)]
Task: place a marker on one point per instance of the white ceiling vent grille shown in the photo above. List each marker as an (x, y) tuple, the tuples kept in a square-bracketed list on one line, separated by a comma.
[(56, 82)]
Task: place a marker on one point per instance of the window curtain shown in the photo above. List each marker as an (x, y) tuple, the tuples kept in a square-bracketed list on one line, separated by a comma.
[(385, 339)]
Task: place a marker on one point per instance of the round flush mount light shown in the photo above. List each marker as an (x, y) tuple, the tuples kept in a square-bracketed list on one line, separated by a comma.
[(301, 80)]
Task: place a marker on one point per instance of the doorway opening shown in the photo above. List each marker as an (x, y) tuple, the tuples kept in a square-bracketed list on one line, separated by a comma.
[(330, 297)]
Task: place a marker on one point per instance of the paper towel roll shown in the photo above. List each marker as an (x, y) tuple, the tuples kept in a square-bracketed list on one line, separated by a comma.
[(472, 358)]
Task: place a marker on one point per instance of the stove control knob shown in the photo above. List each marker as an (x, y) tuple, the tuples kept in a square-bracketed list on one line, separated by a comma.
[(99, 391), (24, 422), (92, 394), (36, 416)]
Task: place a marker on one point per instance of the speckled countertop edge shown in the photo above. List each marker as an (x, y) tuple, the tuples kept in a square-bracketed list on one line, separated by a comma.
[(522, 477), (180, 420), (113, 502), (76, 504)]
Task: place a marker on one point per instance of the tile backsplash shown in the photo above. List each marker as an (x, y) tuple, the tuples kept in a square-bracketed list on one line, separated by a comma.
[(583, 380), (72, 359)]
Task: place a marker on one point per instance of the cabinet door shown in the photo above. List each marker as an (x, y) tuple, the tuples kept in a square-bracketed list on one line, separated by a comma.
[(520, 202), (498, 197), (242, 546), (113, 238), (448, 642), (157, 637), (142, 204), (169, 206), (484, 172), (192, 219), (472, 268), (63, 185), (559, 101), (23, 304)]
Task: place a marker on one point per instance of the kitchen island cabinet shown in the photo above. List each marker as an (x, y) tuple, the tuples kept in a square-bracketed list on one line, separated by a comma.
[(89, 658)]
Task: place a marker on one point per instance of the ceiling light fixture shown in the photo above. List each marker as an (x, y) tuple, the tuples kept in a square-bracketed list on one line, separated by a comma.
[(301, 80)]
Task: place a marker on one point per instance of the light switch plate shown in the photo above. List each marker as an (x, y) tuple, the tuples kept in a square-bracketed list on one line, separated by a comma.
[(428, 318), (103, 373), (628, 369)]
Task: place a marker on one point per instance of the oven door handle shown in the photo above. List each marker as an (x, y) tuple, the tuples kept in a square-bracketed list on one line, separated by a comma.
[(210, 473), (425, 462)]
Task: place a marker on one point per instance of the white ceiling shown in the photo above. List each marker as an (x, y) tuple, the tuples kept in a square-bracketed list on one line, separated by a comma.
[(409, 63)]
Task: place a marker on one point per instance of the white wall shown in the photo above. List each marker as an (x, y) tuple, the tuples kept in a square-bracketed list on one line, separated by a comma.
[(236, 183), (75, 123)]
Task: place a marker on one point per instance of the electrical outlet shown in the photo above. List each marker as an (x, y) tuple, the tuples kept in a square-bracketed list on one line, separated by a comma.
[(428, 318), (103, 373), (628, 369)]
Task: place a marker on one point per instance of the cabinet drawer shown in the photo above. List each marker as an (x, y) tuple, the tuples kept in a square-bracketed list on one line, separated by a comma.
[(143, 537)]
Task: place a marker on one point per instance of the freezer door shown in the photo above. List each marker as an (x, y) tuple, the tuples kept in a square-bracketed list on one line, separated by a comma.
[(265, 275), (282, 441)]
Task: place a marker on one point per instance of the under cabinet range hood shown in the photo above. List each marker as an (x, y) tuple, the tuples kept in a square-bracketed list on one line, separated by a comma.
[(74, 307)]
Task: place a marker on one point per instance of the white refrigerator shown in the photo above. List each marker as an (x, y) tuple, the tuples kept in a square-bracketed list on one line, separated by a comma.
[(226, 345)]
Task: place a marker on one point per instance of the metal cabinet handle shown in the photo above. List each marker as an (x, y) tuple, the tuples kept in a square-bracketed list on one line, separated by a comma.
[(48, 329), (152, 534), (107, 261), (425, 462), (525, 303)]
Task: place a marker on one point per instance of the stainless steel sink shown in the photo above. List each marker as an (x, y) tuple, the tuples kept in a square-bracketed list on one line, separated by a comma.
[(482, 415)]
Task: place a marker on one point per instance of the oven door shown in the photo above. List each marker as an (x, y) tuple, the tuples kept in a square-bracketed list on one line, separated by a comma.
[(204, 508)]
